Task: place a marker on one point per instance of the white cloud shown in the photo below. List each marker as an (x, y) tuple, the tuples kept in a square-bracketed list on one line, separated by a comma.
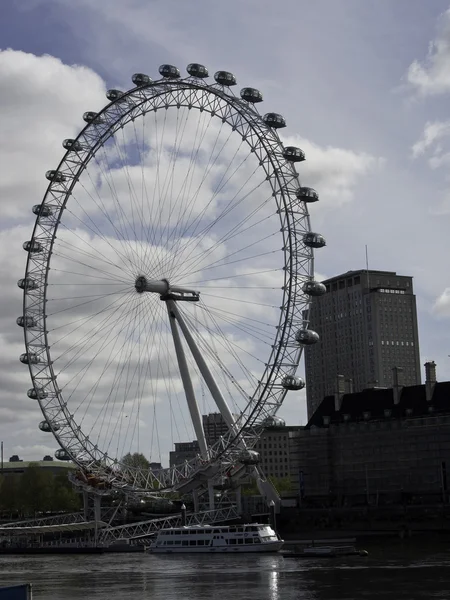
[(432, 76), (334, 172), (442, 304), (434, 131), (41, 103)]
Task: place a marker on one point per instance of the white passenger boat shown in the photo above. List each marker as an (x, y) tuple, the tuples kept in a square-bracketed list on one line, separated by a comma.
[(217, 539)]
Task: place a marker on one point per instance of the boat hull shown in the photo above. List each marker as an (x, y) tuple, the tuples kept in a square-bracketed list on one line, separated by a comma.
[(267, 547)]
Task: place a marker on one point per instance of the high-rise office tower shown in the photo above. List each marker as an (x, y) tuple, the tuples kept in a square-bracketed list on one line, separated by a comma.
[(367, 322), (214, 427)]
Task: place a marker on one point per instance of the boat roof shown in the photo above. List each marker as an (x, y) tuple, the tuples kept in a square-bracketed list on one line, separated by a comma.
[(209, 526)]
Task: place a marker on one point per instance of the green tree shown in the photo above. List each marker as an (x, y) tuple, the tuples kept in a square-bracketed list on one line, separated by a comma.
[(282, 484), (36, 489), (136, 461), (9, 493), (64, 497)]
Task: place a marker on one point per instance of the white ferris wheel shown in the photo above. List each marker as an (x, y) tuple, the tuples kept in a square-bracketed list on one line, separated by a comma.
[(169, 275)]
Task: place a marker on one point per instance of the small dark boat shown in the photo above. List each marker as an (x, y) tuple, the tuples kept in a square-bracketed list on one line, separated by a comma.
[(326, 552)]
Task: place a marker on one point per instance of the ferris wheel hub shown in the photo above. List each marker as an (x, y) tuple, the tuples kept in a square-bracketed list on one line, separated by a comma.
[(165, 289)]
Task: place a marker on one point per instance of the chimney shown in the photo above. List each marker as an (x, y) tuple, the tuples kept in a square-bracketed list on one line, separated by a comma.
[(372, 384), (340, 391), (349, 386), (430, 379), (397, 383)]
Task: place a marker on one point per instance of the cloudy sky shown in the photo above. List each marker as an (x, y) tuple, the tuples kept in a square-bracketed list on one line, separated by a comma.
[(364, 88)]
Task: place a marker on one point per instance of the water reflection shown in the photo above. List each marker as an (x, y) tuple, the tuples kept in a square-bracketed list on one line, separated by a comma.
[(273, 585), (399, 573)]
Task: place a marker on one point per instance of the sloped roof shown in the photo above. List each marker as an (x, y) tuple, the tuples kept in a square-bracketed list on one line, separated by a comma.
[(377, 400)]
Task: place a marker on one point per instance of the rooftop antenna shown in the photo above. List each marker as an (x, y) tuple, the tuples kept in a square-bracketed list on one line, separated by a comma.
[(367, 269)]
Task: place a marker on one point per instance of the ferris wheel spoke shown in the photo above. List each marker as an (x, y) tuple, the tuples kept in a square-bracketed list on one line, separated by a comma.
[(107, 170), (83, 321), (114, 390), (89, 224), (196, 259), (81, 346), (89, 336), (197, 220), (123, 240), (134, 201), (237, 229), (182, 218), (94, 255), (245, 323), (70, 259), (184, 194), (108, 340), (220, 337), (234, 276), (240, 300), (232, 204), (120, 380)]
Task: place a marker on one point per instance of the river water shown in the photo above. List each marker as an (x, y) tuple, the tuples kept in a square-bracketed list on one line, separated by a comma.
[(393, 571)]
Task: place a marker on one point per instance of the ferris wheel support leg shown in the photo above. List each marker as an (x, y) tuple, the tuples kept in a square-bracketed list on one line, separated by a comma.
[(187, 385), (211, 494), (196, 501), (239, 499), (204, 369)]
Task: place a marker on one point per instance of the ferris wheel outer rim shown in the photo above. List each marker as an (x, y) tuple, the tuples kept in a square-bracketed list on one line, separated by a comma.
[(242, 108)]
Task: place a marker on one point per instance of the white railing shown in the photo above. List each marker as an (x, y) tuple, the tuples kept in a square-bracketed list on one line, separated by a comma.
[(146, 528), (62, 519)]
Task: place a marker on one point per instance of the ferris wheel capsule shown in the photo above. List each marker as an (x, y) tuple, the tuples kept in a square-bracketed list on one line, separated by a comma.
[(225, 78), (251, 95), (55, 176), (169, 71), (74, 145), (42, 210), (32, 246), (139, 79), (62, 454), (293, 154), (314, 288), (197, 70), (114, 95), (29, 358), (48, 427), (249, 457), (37, 393), (307, 337), (26, 321), (92, 117), (274, 421), (314, 240), (27, 283), (274, 120), (307, 194), (290, 382)]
